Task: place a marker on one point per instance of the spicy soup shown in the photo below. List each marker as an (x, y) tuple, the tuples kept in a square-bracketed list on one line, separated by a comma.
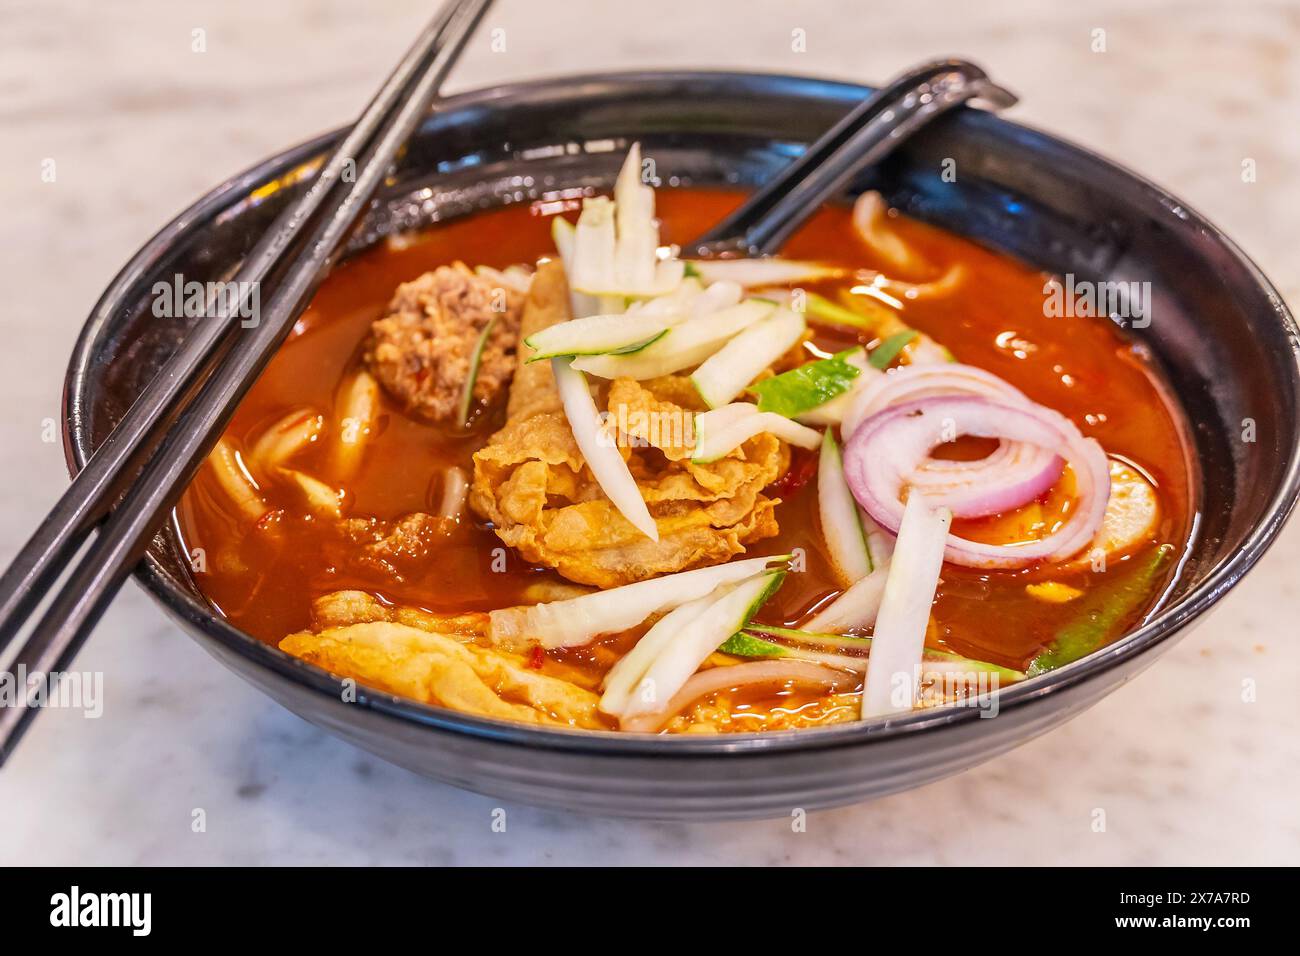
[(265, 575)]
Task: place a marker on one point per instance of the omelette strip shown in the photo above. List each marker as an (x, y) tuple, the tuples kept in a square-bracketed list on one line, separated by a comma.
[(401, 651)]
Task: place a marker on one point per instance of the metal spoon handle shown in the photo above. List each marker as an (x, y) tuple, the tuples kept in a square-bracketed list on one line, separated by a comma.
[(862, 138)]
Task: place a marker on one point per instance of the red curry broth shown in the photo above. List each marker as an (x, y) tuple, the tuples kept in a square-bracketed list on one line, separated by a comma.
[(1082, 367)]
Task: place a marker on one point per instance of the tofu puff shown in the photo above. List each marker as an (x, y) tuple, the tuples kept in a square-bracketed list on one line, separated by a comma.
[(531, 481)]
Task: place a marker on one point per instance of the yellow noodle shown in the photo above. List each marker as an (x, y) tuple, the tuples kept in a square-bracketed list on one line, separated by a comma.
[(321, 498), (236, 482), (290, 435), (357, 408)]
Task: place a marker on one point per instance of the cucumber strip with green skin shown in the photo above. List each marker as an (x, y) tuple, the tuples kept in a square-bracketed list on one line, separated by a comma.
[(694, 642), (806, 386), (637, 346), (1099, 612), (573, 622), (564, 234), (599, 335), (607, 465), (888, 350), (687, 343), (748, 644), (813, 637), (753, 273), (622, 680), (846, 539), (725, 374), (475, 360), (720, 430), (926, 349), (1008, 674)]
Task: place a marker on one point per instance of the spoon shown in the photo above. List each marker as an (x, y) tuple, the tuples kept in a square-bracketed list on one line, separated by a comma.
[(864, 137)]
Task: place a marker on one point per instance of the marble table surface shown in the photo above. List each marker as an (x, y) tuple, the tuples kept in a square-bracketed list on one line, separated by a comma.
[(138, 124)]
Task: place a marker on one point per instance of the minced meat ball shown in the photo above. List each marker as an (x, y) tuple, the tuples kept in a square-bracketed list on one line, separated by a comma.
[(421, 350)]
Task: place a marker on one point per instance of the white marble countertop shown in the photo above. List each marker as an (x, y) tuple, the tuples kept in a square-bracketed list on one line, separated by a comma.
[(139, 125)]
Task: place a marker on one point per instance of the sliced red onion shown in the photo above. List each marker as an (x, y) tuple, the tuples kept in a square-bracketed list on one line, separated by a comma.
[(886, 451), (1016, 473), (942, 468), (911, 382), (773, 673)]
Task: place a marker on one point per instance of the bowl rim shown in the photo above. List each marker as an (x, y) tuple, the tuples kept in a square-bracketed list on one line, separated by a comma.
[(1164, 625)]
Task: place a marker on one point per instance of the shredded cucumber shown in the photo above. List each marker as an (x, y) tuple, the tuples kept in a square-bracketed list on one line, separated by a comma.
[(602, 457), (720, 431), (696, 640), (1100, 612), (755, 273), (475, 362), (575, 621), (856, 607), (899, 637), (599, 335), (846, 540), (823, 309), (615, 249), (814, 638), (516, 277), (686, 344), (724, 375), (638, 236), (594, 244), (742, 644), (565, 236), (624, 676), (753, 642)]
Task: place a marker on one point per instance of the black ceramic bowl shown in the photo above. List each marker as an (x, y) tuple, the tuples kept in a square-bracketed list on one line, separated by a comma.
[(1225, 339)]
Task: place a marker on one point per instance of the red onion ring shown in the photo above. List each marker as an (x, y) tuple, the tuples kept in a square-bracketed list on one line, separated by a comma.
[(922, 381), (1019, 471), (1015, 474), (801, 673), (887, 449)]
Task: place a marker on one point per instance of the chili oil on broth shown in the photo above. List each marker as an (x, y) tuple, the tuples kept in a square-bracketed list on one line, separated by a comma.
[(1082, 367)]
